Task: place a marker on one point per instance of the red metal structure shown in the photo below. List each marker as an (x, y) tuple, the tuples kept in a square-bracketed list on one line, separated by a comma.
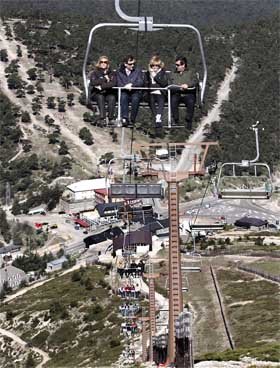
[(175, 275)]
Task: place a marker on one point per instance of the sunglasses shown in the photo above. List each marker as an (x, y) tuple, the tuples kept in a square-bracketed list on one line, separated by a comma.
[(152, 65), (130, 63), (103, 62), (178, 64)]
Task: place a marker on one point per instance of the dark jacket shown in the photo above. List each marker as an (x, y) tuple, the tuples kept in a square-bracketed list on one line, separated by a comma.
[(187, 77), (97, 78), (135, 77), (160, 80)]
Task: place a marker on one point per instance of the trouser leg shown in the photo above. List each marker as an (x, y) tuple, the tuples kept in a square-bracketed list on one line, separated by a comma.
[(153, 105), (135, 100), (124, 105), (175, 100), (160, 101), (189, 101), (111, 101), (101, 104)]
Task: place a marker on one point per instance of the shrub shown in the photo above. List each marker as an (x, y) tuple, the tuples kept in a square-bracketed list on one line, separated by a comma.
[(114, 342), (86, 136), (40, 339)]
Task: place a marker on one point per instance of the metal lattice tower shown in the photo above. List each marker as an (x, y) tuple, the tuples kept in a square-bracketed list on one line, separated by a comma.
[(151, 276), (173, 177), (144, 321)]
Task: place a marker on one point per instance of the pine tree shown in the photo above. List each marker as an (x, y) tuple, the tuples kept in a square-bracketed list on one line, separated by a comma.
[(63, 150)]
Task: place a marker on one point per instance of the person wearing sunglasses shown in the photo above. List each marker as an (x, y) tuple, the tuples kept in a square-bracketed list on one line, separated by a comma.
[(183, 86), (129, 76), (156, 77), (102, 80)]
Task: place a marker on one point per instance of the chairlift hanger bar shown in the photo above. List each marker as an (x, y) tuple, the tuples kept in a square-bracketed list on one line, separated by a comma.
[(143, 24)]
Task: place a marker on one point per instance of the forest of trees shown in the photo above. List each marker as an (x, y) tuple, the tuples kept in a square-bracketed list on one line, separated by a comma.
[(254, 97)]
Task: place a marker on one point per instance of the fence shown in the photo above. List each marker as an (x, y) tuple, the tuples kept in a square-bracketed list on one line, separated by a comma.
[(215, 253), (226, 325), (260, 273)]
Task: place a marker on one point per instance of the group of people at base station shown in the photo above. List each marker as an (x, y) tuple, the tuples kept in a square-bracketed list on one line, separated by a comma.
[(182, 82), (132, 269)]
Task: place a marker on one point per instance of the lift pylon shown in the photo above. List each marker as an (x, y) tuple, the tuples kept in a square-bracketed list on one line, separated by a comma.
[(175, 274), (151, 276)]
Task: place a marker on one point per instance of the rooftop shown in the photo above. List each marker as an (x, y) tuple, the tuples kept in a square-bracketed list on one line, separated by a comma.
[(85, 185)]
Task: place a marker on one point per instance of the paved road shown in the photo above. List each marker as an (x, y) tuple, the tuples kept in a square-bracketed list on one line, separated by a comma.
[(231, 209)]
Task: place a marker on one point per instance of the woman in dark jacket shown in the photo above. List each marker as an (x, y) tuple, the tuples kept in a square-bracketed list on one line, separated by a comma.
[(156, 77), (102, 80)]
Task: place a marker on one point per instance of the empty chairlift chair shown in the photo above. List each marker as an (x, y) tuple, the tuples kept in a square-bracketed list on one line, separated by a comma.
[(247, 179)]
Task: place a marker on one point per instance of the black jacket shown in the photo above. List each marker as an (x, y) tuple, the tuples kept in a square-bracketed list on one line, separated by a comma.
[(161, 80), (97, 78)]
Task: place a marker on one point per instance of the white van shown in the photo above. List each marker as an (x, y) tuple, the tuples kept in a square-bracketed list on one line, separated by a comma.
[(37, 211)]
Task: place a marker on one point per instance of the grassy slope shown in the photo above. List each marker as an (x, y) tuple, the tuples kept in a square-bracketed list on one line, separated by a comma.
[(255, 323), (271, 267), (83, 334)]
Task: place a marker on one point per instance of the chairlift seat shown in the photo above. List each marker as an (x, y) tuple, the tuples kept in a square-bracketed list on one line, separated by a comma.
[(244, 194), (198, 227), (191, 269), (232, 186)]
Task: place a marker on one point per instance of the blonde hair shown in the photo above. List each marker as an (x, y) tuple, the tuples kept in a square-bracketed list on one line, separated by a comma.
[(155, 60), (100, 58)]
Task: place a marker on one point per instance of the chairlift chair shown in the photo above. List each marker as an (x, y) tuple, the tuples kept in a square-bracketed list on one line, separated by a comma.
[(196, 257), (240, 186), (143, 24), (246, 186)]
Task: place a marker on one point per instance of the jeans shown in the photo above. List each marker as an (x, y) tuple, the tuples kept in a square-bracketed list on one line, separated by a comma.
[(127, 97), (189, 101), (101, 99), (156, 104)]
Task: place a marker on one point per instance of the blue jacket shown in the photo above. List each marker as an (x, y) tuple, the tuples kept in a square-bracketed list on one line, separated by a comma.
[(135, 77)]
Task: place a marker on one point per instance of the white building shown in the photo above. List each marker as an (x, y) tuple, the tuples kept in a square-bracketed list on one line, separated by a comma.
[(85, 189), (12, 275)]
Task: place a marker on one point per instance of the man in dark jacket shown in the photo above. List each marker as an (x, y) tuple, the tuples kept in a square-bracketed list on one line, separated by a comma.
[(129, 76), (184, 83)]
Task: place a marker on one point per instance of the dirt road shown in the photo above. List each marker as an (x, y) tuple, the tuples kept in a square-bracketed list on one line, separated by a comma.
[(186, 159), (70, 122), (11, 335)]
